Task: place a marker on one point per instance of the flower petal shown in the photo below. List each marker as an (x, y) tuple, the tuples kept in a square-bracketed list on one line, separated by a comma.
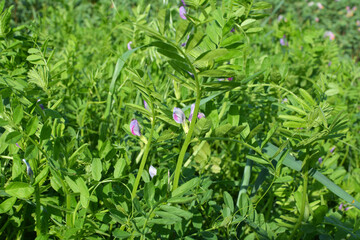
[(152, 171), (178, 115), (182, 12), (134, 128), (129, 45)]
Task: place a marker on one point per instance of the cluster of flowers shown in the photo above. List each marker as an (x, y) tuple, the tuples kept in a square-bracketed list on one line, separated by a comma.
[(350, 11), (178, 116), (318, 4)]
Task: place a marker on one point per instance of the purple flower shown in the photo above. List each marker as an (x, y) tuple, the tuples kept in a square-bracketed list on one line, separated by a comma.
[(134, 128), (332, 149), (320, 160), (283, 41), (341, 206), (232, 30), (178, 115), (285, 100), (201, 115), (17, 145), (129, 45), (152, 171), (329, 64), (347, 208), (230, 79), (183, 2), (41, 106), (146, 106), (29, 171), (182, 12)]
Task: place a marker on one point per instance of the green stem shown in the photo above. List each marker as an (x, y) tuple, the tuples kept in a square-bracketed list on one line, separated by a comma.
[(38, 210), (187, 141), (143, 160), (246, 180), (303, 201)]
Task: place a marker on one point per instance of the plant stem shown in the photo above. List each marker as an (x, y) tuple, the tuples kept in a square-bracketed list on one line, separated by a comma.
[(303, 201), (186, 142), (246, 180), (38, 210), (143, 160)]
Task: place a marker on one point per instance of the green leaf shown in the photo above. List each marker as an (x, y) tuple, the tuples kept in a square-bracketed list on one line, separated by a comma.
[(119, 167), (84, 192), (243, 204), (138, 108), (202, 126), (96, 168), (31, 152), (169, 217), (13, 137), (32, 125), (74, 187), (193, 183), (149, 193), (257, 159), (294, 164), (45, 132), (254, 30), (19, 189), (42, 175), (247, 22), (229, 201), (6, 205), (177, 211), (307, 97), (234, 115), (117, 233), (118, 67), (181, 199), (18, 114), (319, 214)]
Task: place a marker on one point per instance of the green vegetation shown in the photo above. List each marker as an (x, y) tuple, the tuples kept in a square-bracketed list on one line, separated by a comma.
[(197, 119)]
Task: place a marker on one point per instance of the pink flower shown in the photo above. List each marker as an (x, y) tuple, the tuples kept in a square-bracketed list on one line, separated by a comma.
[(182, 12), (178, 115), (358, 23), (134, 128), (201, 115), (129, 45), (320, 6), (316, 19), (330, 35)]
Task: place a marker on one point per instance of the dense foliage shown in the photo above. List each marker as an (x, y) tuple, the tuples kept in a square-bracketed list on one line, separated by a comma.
[(197, 119)]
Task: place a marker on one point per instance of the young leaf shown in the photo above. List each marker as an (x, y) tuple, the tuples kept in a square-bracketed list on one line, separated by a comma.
[(96, 168)]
